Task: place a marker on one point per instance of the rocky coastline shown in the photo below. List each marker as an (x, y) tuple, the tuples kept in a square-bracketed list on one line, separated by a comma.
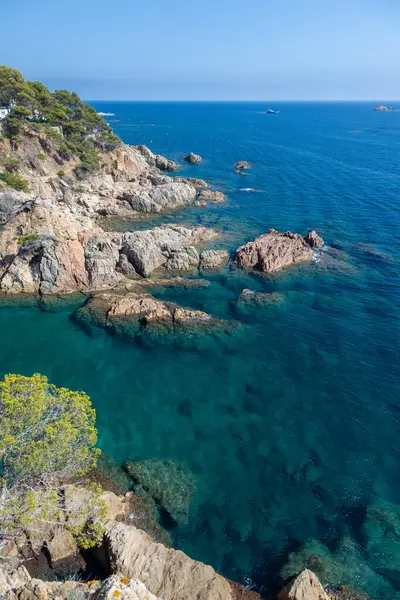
[(53, 242)]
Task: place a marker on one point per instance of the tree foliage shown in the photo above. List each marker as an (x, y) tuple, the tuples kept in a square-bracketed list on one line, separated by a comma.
[(47, 437), (32, 104)]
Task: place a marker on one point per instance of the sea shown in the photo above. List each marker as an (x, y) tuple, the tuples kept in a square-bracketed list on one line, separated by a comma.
[(292, 428)]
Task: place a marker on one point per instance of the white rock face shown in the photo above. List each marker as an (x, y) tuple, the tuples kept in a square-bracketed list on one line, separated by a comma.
[(167, 573)]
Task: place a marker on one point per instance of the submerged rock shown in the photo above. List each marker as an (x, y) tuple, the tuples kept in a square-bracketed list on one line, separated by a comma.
[(171, 484), (210, 196), (252, 298), (274, 251), (193, 158)]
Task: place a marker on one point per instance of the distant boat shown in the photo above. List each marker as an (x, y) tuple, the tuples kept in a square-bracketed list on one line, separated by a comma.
[(272, 112), (106, 114)]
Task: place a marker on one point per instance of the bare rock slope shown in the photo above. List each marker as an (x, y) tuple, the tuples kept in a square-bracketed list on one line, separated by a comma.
[(51, 239)]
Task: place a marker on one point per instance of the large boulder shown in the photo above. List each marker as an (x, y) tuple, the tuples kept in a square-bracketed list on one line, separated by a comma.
[(169, 483), (170, 246), (314, 240), (274, 251), (165, 196), (167, 573), (193, 158), (306, 586)]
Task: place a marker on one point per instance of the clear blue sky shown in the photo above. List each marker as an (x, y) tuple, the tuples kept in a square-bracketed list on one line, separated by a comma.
[(207, 49)]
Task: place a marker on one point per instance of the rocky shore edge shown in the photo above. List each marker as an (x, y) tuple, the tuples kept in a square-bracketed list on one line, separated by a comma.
[(131, 563)]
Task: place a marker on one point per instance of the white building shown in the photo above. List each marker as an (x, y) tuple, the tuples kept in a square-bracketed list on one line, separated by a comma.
[(4, 110)]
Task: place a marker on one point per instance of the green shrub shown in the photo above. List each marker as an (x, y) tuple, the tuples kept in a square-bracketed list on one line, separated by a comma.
[(11, 163), (41, 156), (61, 173), (24, 239), (14, 181), (47, 436)]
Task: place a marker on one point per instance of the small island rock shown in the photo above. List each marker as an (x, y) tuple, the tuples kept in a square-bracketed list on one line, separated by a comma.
[(193, 158), (242, 164), (273, 251)]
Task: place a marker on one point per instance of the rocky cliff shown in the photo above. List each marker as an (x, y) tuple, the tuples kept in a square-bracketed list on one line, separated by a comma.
[(52, 237), (136, 567)]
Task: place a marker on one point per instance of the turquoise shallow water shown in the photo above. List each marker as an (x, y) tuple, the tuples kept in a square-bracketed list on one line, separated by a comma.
[(292, 428)]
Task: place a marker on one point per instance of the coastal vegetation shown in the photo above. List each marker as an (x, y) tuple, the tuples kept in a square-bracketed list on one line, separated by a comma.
[(61, 116), (47, 441), (14, 181)]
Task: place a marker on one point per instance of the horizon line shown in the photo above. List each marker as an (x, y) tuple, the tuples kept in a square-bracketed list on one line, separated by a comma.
[(238, 101)]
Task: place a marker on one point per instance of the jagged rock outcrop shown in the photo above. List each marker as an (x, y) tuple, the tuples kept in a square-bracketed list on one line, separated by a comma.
[(50, 238), (167, 573), (276, 250), (65, 258), (210, 196), (169, 246), (199, 184), (314, 240), (306, 586), (156, 160), (193, 158)]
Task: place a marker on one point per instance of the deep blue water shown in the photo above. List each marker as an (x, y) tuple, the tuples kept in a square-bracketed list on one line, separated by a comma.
[(293, 430)]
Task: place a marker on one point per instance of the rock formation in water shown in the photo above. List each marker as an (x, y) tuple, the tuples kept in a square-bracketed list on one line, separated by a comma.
[(242, 164), (276, 250), (136, 314), (210, 196), (252, 298), (193, 158), (213, 259), (51, 239)]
